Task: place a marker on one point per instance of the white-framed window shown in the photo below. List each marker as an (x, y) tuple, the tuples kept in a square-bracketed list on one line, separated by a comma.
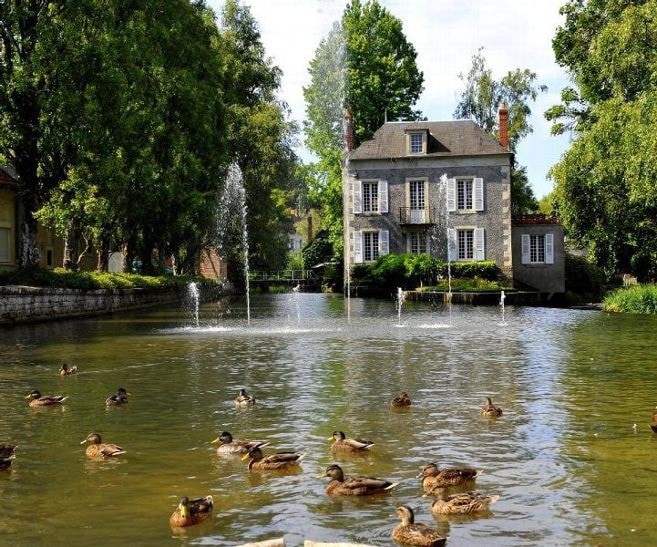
[(417, 243), (465, 194), (370, 196), (466, 243), (416, 193), (415, 143), (368, 245), (537, 248), (5, 245)]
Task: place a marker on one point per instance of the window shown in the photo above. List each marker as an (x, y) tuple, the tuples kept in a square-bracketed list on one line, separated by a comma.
[(464, 194), (370, 246), (5, 255), (415, 143), (370, 197), (416, 193), (537, 248), (465, 239), (417, 243)]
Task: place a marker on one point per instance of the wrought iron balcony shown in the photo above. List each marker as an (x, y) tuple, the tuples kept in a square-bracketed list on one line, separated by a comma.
[(410, 215)]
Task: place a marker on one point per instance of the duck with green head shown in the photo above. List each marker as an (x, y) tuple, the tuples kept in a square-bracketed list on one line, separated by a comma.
[(121, 398)]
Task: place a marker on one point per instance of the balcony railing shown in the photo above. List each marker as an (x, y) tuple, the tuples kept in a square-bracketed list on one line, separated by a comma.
[(410, 215)]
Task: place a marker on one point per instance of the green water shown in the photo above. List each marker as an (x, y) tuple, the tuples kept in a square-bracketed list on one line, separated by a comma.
[(565, 458)]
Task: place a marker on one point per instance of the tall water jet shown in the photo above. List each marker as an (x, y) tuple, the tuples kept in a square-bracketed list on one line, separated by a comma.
[(296, 290), (232, 228), (193, 295), (451, 251), (399, 304), (502, 299)]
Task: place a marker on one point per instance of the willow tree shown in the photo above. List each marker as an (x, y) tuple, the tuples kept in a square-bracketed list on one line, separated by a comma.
[(367, 65)]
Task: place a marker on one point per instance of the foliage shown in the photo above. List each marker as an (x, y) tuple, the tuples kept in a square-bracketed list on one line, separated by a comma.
[(410, 271), (481, 100), (295, 261), (318, 251), (605, 188), (473, 284), (583, 277), (97, 280), (636, 299), (364, 64)]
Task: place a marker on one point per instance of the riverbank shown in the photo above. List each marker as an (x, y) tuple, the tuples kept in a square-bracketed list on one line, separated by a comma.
[(23, 304)]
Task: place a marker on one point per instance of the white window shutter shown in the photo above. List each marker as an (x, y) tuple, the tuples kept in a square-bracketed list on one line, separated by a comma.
[(478, 190), (452, 247), (383, 196), (524, 247), (451, 194), (384, 242), (358, 196), (479, 250), (549, 248), (358, 246)]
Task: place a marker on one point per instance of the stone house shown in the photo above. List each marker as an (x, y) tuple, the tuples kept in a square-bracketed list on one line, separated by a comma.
[(441, 188)]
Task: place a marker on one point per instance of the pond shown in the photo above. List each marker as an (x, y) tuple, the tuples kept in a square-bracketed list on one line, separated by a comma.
[(566, 459)]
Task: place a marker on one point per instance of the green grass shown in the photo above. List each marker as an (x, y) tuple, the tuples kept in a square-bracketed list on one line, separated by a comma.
[(59, 278), (473, 284), (636, 299)]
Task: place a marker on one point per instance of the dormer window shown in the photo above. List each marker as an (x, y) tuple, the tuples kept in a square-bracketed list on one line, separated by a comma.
[(416, 142)]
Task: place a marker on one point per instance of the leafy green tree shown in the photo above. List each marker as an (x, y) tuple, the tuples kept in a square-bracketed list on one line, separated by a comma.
[(481, 100), (605, 187), (367, 65)]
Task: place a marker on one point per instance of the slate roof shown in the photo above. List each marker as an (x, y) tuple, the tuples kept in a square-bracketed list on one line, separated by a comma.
[(6, 178), (451, 138)]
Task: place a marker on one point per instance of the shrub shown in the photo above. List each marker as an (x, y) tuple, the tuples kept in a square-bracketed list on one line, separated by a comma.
[(390, 271), (635, 299), (485, 269), (583, 278)]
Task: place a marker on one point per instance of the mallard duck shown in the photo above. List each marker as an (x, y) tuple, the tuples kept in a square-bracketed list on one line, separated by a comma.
[(6, 455), (36, 399), (402, 401), (461, 504), (653, 421), (343, 444), (489, 410), (98, 449), (191, 512), (278, 460), (410, 533), (354, 486), (244, 399), (121, 398), (65, 370), (434, 478), (230, 446)]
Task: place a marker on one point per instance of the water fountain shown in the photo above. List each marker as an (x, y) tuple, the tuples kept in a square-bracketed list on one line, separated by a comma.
[(502, 298), (399, 304), (231, 230), (194, 295), (450, 250), (296, 290)]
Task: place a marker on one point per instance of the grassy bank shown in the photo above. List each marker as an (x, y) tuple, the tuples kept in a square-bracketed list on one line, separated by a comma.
[(635, 299), (59, 278)]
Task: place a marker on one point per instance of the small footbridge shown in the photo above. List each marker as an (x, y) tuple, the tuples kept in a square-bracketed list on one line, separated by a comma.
[(305, 280)]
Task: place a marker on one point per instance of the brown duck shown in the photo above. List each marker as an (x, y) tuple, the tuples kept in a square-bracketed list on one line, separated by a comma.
[(36, 399), (6, 455), (344, 444), (98, 449), (244, 399), (191, 512), (489, 410), (354, 486), (410, 533), (653, 421), (462, 504), (65, 370), (403, 401), (278, 460), (434, 478)]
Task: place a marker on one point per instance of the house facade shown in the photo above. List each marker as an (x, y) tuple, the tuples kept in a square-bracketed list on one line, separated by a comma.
[(440, 188)]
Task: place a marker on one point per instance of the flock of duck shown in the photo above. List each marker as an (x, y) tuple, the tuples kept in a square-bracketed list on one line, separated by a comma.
[(435, 482)]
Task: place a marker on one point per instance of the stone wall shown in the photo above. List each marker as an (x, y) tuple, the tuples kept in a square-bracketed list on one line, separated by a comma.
[(22, 304)]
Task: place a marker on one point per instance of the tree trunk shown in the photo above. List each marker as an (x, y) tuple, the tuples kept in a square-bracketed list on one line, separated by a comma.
[(28, 251), (104, 252), (147, 260), (72, 245)]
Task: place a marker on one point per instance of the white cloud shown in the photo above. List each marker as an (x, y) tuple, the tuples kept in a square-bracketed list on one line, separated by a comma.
[(445, 33)]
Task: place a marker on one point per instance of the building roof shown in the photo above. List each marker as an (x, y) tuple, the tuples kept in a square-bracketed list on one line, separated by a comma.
[(533, 219), (6, 178), (451, 138)]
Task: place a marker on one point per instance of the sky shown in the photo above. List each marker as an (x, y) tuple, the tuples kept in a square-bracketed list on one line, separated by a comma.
[(445, 34)]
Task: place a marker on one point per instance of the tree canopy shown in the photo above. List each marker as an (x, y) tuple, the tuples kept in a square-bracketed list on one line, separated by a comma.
[(605, 188), (481, 100), (367, 65)]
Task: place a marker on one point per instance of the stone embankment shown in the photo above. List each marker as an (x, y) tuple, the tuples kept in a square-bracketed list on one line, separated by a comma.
[(20, 304)]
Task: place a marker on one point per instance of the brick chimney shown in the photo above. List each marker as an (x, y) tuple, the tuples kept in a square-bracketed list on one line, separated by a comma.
[(504, 126), (348, 126)]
